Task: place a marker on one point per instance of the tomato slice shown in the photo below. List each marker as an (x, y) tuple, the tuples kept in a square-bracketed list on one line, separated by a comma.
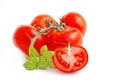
[(70, 59)]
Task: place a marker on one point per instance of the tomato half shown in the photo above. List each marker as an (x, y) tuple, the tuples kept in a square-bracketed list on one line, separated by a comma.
[(43, 21), (22, 35), (76, 20), (70, 59), (57, 39)]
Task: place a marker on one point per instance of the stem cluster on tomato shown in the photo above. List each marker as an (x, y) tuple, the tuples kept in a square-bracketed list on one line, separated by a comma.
[(42, 21), (64, 39)]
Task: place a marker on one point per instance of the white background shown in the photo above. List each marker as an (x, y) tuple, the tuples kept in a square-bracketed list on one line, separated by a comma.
[(102, 38)]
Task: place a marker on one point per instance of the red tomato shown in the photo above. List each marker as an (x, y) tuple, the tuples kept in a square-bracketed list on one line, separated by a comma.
[(70, 59), (42, 21), (22, 37), (76, 20), (57, 39)]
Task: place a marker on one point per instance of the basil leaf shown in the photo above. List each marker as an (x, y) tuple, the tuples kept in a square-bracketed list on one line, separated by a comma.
[(43, 49), (49, 55), (29, 65), (34, 59), (51, 64), (33, 52), (43, 64)]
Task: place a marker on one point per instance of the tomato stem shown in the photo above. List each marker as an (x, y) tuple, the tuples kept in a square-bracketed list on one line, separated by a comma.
[(43, 30), (70, 56), (69, 46), (36, 36), (59, 27)]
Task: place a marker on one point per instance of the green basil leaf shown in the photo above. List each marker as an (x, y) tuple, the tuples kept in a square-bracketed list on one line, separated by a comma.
[(43, 64), (43, 49), (29, 65), (49, 55), (51, 64), (34, 59), (33, 52)]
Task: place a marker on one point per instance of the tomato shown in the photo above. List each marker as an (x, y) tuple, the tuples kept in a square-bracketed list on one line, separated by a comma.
[(70, 59), (57, 39), (42, 21), (22, 35), (76, 20)]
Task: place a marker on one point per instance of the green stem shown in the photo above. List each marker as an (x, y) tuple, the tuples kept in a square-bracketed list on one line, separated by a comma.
[(39, 34), (43, 30)]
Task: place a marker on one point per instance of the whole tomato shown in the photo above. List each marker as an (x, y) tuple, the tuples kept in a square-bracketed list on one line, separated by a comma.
[(22, 38), (75, 20), (56, 39), (70, 59), (43, 21)]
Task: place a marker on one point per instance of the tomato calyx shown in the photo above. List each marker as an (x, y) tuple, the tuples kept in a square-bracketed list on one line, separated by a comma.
[(58, 27), (41, 21)]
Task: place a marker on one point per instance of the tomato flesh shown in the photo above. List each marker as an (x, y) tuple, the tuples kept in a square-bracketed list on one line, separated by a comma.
[(71, 61)]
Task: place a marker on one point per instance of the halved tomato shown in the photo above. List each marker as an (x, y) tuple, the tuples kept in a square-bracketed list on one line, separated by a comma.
[(70, 59)]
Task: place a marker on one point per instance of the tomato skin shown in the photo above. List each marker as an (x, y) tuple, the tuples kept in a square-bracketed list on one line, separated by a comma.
[(41, 21), (56, 39), (76, 20), (22, 35), (79, 56)]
